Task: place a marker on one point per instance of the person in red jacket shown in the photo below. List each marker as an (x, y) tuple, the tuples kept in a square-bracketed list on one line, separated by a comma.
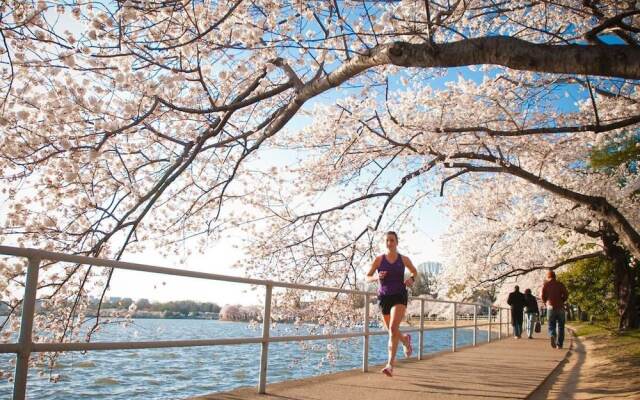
[(554, 294)]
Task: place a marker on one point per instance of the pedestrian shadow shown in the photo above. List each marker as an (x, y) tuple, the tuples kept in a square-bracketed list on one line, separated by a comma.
[(568, 388)]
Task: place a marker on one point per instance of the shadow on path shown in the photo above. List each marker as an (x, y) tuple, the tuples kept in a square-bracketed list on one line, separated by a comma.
[(563, 381)]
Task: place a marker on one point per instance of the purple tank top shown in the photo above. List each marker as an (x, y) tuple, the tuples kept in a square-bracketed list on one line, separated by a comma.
[(393, 283)]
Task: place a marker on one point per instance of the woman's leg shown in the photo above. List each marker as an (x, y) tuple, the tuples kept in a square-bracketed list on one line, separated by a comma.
[(385, 320), (397, 314)]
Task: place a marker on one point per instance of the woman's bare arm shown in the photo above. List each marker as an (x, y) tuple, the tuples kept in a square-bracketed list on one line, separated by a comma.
[(374, 266), (414, 272)]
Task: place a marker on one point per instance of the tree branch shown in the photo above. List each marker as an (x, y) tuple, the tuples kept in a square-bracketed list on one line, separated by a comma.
[(524, 271)]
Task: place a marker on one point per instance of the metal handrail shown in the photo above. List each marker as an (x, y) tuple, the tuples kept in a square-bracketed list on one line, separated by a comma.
[(26, 346)]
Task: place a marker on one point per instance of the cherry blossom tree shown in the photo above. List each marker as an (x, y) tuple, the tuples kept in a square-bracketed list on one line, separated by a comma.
[(131, 124), (511, 236), (231, 312), (544, 180)]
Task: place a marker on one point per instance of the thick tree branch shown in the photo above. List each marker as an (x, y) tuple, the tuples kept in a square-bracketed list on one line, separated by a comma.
[(523, 271), (620, 61), (547, 130)]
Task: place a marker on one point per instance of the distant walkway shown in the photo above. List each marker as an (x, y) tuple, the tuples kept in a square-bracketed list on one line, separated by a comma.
[(505, 369)]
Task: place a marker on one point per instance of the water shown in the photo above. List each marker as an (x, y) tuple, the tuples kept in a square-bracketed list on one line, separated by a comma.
[(177, 373)]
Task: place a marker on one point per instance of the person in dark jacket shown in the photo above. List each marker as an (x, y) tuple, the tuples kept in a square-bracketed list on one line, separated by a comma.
[(554, 294), (517, 303), (531, 310)]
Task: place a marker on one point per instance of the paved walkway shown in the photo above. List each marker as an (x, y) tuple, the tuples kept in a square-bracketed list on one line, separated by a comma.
[(505, 369)]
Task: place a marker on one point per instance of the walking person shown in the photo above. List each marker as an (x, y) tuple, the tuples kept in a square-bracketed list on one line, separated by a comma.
[(516, 301), (531, 310), (554, 295), (393, 296)]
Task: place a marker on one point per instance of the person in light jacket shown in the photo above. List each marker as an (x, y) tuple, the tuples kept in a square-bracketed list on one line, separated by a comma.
[(531, 310)]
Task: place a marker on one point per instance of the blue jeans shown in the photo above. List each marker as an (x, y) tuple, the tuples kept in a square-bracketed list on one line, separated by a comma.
[(556, 316), (517, 329), (516, 321), (531, 322)]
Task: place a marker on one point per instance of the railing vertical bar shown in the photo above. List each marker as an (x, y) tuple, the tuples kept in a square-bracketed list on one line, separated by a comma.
[(421, 338), (509, 323), (489, 328), (26, 330), (455, 326), (475, 324), (365, 345), (264, 355), (500, 322)]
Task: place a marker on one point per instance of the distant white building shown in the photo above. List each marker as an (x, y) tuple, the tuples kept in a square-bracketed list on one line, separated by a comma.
[(434, 268)]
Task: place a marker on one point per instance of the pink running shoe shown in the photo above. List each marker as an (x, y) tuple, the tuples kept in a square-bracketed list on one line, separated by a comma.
[(388, 371), (408, 349)]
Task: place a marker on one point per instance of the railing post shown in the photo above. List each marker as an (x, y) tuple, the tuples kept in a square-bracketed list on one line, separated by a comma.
[(490, 318), (475, 323), (500, 322), (421, 338), (455, 326), (365, 346), (26, 330), (264, 355), (509, 323)]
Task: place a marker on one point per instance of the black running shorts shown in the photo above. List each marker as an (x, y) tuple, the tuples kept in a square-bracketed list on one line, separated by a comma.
[(389, 300)]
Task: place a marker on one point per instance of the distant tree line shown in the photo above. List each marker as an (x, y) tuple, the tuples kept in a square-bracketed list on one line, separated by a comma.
[(183, 307)]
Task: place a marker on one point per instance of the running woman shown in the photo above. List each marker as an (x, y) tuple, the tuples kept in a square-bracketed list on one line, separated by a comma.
[(393, 296)]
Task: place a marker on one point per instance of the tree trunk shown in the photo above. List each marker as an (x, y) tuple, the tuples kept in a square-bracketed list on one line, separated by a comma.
[(627, 307), (624, 281), (569, 308)]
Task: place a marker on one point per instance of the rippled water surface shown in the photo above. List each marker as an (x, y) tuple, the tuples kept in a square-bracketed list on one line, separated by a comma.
[(177, 373)]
